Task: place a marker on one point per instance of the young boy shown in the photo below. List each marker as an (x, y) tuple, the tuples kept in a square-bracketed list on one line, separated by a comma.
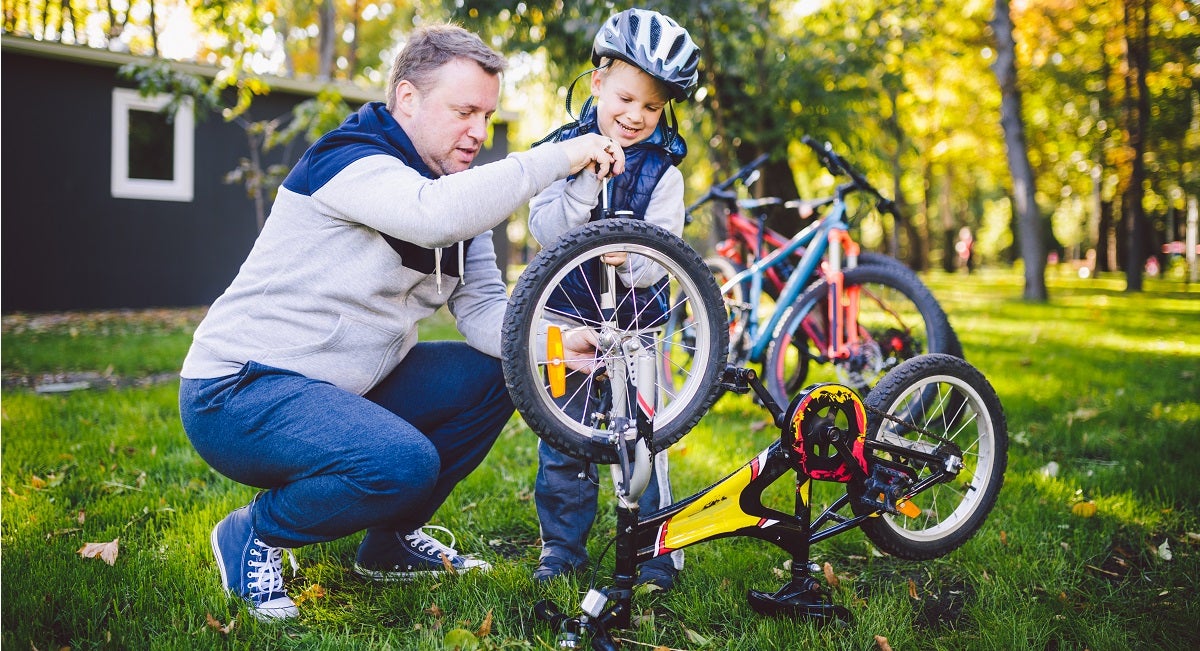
[(643, 61)]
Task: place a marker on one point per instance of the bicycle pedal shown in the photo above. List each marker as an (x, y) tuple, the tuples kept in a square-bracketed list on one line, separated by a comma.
[(808, 605)]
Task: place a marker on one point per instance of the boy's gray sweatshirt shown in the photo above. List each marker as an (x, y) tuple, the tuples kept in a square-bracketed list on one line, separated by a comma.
[(324, 294)]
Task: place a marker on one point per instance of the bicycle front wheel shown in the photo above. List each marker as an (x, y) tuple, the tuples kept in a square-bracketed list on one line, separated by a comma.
[(898, 319), (583, 413), (947, 398)]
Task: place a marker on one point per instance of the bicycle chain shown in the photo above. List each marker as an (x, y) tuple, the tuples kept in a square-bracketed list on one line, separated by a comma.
[(898, 421)]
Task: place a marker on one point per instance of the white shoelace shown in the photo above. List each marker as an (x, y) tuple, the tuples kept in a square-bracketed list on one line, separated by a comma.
[(424, 542), (269, 577)]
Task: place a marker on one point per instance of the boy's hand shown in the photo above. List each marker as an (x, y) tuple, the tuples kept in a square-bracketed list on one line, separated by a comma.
[(579, 348), (595, 149), (615, 259)]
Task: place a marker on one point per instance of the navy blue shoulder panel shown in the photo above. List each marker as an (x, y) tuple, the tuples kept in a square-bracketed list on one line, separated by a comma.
[(369, 131)]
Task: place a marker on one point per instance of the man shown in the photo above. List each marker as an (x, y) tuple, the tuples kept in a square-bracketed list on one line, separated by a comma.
[(306, 378)]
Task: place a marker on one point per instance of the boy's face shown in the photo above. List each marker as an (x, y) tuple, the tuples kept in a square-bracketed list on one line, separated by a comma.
[(629, 102)]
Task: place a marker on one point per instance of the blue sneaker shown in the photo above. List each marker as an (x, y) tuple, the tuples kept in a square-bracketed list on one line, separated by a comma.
[(393, 556), (250, 568)]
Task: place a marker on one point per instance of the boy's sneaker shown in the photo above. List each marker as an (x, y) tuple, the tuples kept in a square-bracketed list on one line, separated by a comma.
[(394, 556), (250, 568), (552, 567)]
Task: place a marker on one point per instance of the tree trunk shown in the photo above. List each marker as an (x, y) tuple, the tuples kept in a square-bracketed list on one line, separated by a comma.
[(327, 40), (352, 46), (1024, 185), (153, 29), (1137, 110)]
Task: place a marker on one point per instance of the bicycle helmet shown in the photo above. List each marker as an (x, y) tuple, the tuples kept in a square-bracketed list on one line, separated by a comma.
[(653, 42)]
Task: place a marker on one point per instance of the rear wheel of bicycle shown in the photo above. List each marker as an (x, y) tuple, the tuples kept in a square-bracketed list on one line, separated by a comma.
[(898, 318), (581, 421), (947, 397)]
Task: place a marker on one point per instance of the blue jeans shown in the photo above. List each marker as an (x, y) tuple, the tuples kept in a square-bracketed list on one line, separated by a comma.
[(566, 492), (335, 463)]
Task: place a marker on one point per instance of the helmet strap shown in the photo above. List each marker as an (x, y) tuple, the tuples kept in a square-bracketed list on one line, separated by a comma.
[(571, 88)]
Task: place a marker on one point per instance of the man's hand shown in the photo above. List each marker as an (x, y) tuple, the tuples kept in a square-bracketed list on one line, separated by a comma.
[(579, 348), (595, 149)]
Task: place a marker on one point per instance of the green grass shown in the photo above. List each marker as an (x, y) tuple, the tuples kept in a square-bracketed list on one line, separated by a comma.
[(1104, 384)]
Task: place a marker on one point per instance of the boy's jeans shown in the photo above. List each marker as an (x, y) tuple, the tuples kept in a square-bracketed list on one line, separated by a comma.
[(567, 490), (336, 463), (566, 493)]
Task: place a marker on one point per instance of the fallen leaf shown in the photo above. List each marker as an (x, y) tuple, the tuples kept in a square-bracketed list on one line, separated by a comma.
[(106, 551), (1003, 537), (696, 638), (448, 565), (912, 590), (314, 591), (460, 639), (1084, 509), (883, 643), (485, 629), (434, 610), (830, 577), (37, 482), (1193, 536), (81, 517), (1164, 551), (215, 624)]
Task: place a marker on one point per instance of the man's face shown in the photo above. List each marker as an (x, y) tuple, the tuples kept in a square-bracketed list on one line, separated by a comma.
[(629, 103), (448, 123)]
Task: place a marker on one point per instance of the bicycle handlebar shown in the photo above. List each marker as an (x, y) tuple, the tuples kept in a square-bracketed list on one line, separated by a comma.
[(721, 190), (839, 166)]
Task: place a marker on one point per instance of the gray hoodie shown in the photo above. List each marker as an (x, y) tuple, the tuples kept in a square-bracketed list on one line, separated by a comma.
[(324, 293)]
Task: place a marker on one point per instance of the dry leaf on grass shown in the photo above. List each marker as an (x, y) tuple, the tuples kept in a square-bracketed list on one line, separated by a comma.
[(485, 629), (883, 643), (448, 565), (107, 552), (434, 610), (830, 577), (1084, 509), (912, 590), (314, 591), (215, 624)]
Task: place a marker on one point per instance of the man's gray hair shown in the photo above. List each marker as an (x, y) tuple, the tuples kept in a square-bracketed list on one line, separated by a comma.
[(432, 46)]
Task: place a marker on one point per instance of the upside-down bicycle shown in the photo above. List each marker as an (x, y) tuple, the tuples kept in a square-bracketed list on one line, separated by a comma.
[(922, 456)]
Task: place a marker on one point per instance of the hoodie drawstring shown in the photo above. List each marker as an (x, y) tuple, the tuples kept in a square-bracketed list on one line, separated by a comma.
[(462, 266)]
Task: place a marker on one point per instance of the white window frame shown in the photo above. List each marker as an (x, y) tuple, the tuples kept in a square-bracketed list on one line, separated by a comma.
[(180, 188)]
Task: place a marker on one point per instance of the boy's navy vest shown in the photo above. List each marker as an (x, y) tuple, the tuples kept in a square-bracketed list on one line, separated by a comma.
[(628, 195)]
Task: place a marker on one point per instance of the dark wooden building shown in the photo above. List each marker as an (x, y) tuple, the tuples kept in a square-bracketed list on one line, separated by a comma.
[(91, 216)]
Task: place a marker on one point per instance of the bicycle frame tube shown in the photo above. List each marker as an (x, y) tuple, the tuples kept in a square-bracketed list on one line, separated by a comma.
[(816, 238)]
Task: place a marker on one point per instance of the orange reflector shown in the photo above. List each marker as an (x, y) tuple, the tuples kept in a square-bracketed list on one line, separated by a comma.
[(556, 368), (908, 508)]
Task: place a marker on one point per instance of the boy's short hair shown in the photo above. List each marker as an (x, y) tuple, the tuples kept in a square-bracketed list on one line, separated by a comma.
[(432, 46), (663, 87)]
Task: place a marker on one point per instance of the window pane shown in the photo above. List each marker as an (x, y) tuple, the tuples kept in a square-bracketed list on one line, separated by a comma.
[(151, 146)]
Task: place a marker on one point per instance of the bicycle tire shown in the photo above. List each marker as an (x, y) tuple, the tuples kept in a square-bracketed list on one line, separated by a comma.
[(964, 409), (899, 318), (687, 280)]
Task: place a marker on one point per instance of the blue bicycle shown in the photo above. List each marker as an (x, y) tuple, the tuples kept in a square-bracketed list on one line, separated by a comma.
[(859, 314)]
